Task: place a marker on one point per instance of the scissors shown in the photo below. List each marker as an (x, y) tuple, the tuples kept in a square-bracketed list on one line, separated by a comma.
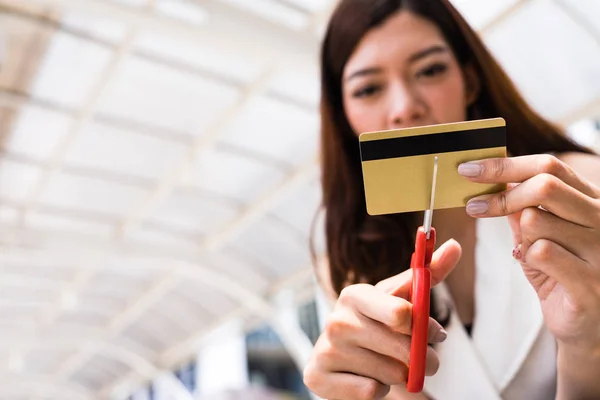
[(419, 294)]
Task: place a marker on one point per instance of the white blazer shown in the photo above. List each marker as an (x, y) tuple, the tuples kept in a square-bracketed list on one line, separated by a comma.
[(511, 355)]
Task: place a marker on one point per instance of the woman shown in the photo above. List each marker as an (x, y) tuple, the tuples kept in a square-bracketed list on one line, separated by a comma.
[(520, 323)]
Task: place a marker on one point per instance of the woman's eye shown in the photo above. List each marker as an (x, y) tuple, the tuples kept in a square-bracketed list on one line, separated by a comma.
[(366, 91), (432, 71)]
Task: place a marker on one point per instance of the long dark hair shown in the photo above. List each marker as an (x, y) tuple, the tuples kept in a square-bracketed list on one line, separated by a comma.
[(363, 248)]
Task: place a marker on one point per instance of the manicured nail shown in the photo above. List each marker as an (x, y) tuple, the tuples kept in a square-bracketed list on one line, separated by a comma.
[(477, 207), (440, 336), (470, 169), (517, 253)]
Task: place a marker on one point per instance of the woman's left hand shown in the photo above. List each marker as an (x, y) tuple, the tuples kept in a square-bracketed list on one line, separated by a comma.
[(558, 244)]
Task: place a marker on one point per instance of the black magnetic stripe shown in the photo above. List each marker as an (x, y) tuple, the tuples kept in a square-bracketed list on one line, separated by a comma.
[(472, 139)]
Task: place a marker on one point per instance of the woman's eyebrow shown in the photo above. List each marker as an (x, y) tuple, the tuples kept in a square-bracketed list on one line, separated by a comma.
[(363, 72), (435, 49)]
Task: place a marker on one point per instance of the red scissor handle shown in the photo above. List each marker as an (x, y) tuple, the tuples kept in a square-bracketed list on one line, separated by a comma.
[(419, 297)]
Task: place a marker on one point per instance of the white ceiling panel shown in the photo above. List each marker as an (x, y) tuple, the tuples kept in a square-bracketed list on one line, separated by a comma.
[(313, 5), (133, 346), (145, 338), (185, 11), (107, 148), (201, 54), (273, 11), (29, 284), (8, 216), (50, 269), (115, 286), (88, 378), (109, 304), (162, 326), (197, 313), (109, 29), (589, 10), (92, 195), (85, 316), (44, 361), (41, 221), (115, 368), (303, 85), (549, 57), (130, 3), (37, 132), (275, 248), (69, 330), (16, 180), (480, 13), (193, 213), (142, 270), (278, 130), (181, 315), (300, 207), (31, 309), (215, 301), (234, 176), (164, 97), (69, 71), (158, 237), (238, 268), (47, 295)]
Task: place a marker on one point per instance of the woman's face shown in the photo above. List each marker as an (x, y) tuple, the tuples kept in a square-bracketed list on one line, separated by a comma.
[(403, 74)]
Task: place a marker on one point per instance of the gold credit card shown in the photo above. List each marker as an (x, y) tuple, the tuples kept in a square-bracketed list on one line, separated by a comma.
[(397, 164)]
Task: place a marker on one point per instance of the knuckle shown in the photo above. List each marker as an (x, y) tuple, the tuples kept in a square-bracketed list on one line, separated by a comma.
[(400, 374), (369, 389), (324, 355), (547, 185), (497, 168), (400, 314), (336, 327), (529, 219), (502, 203), (311, 377), (540, 251), (346, 295), (550, 164)]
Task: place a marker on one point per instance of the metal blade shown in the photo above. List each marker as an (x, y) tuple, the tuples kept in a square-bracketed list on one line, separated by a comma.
[(429, 213)]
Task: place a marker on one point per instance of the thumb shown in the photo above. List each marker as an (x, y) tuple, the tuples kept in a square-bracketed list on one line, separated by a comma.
[(443, 261)]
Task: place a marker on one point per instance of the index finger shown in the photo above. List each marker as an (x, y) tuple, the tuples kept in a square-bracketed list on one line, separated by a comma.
[(443, 260), (392, 311), (521, 168)]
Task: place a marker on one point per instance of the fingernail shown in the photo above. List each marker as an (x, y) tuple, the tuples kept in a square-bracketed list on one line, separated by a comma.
[(440, 336), (517, 253), (470, 169), (477, 207)]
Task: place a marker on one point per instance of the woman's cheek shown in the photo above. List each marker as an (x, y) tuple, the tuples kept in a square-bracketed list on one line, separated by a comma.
[(447, 103)]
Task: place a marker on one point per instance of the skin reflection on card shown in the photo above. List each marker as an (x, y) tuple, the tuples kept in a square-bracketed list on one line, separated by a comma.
[(397, 164)]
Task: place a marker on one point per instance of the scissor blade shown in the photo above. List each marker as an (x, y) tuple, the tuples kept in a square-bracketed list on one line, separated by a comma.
[(429, 213)]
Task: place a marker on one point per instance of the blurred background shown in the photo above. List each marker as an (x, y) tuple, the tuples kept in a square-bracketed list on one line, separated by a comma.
[(158, 180)]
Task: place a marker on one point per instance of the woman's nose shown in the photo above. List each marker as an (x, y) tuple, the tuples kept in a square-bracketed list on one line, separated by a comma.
[(406, 109)]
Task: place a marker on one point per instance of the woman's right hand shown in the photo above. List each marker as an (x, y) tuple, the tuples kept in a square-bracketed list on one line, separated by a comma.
[(364, 348)]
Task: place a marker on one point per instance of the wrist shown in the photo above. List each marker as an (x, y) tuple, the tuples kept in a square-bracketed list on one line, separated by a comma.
[(578, 372)]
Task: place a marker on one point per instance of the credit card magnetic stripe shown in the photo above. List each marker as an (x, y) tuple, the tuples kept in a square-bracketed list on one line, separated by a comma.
[(436, 143)]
